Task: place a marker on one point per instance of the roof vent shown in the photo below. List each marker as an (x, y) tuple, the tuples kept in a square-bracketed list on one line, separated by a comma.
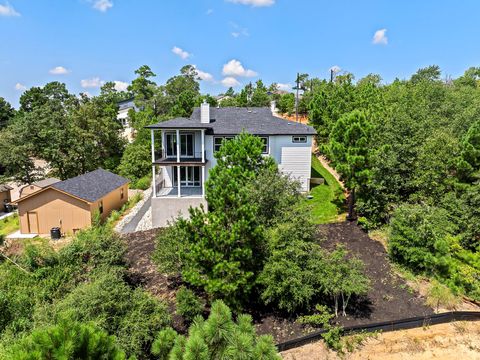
[(205, 112)]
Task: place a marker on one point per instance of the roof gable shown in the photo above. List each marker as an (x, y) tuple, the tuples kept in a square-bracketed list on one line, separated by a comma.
[(91, 186)]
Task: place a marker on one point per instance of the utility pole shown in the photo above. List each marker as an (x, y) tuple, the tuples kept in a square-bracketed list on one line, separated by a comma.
[(296, 98), (331, 75)]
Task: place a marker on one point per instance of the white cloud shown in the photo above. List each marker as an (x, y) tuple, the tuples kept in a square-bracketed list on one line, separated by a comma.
[(209, 12), (254, 3), (238, 30), (92, 83), (120, 85), (380, 37), (102, 5), (235, 68), (284, 87), (230, 82), (20, 87), (59, 70), (182, 53), (203, 75), (335, 69), (8, 10)]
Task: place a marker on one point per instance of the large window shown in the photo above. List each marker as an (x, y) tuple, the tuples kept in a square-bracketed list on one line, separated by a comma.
[(299, 139), (189, 176), (217, 141), (187, 145)]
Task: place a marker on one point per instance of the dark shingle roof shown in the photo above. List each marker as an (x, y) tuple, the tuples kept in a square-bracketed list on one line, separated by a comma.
[(91, 186), (234, 120)]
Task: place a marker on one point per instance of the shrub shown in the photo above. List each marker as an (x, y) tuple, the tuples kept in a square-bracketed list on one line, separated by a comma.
[(188, 304), (421, 239), (142, 183), (169, 249), (67, 340), (322, 317), (218, 337), (136, 161), (132, 315), (440, 295), (292, 276)]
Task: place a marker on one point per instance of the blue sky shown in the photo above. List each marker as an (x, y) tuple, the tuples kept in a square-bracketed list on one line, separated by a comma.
[(86, 42)]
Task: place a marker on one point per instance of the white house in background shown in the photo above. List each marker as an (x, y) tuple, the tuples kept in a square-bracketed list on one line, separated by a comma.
[(181, 164), (122, 117)]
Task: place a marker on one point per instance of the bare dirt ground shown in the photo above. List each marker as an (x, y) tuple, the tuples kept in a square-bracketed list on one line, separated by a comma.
[(390, 298), (142, 269), (460, 340)]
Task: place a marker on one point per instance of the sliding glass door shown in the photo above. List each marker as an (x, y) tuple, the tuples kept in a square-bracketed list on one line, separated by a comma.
[(187, 144), (189, 176)]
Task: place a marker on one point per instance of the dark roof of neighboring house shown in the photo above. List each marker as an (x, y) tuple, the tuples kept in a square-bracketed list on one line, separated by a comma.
[(234, 120), (5, 187), (46, 182), (91, 186)]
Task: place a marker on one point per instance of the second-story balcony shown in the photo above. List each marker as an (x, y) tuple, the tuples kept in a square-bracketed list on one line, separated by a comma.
[(165, 158)]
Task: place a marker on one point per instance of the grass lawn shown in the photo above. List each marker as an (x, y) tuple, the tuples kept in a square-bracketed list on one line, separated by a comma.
[(9, 225), (328, 199)]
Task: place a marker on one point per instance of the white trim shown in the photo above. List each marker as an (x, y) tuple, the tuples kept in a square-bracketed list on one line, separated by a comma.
[(178, 182), (203, 181), (178, 149), (203, 145)]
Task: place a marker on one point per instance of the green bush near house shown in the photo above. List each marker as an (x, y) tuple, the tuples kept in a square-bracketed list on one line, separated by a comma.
[(142, 184)]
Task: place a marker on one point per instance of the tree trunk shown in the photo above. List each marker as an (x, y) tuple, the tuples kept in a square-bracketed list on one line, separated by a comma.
[(351, 206), (336, 305), (345, 304)]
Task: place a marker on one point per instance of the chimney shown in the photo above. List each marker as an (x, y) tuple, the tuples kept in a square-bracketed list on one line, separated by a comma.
[(205, 113)]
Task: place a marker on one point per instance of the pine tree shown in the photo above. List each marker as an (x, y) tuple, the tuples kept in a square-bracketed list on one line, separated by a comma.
[(218, 337), (68, 340)]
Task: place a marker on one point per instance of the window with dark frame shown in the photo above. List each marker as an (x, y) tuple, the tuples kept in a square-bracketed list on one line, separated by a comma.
[(100, 207), (218, 140), (265, 144), (299, 139), (121, 194)]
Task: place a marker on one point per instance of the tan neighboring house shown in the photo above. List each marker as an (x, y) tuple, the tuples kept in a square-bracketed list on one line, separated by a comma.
[(71, 204), (5, 196), (36, 186)]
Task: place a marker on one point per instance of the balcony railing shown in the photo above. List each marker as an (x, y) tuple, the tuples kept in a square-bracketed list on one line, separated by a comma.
[(161, 156)]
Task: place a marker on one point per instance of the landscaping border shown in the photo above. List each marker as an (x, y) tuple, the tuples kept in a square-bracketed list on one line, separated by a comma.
[(402, 324)]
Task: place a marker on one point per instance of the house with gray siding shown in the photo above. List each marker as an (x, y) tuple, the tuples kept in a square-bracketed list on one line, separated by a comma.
[(183, 153)]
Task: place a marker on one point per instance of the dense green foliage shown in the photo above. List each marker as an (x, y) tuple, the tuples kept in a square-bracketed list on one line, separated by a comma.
[(218, 337), (85, 282), (251, 95), (420, 147), (189, 305), (223, 248), (67, 340), (257, 238), (74, 135)]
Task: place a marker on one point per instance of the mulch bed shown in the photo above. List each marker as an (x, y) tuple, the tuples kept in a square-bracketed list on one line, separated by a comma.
[(390, 298)]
